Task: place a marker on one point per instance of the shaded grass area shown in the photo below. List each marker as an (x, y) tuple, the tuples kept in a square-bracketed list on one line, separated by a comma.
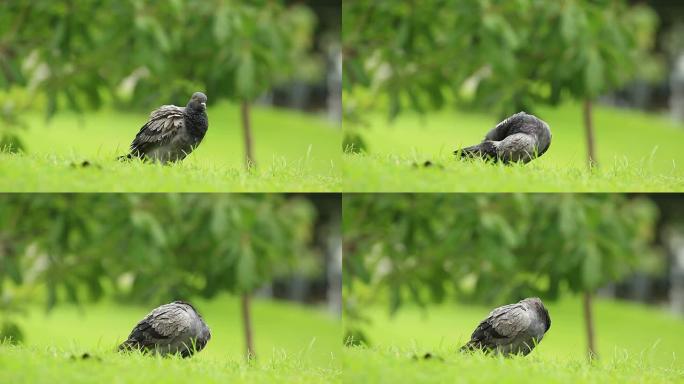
[(636, 152), (294, 152), (635, 343), (293, 344)]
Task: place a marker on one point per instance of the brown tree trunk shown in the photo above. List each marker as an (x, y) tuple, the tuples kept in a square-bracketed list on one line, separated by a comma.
[(589, 324), (247, 324), (589, 132), (247, 133)]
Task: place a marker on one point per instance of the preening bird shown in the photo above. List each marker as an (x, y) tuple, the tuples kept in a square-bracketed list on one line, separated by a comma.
[(519, 138), (172, 132), (511, 329), (170, 329)]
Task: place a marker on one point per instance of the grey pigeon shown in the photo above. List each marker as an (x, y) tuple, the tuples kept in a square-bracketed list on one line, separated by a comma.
[(172, 132), (170, 329), (511, 329), (519, 138)]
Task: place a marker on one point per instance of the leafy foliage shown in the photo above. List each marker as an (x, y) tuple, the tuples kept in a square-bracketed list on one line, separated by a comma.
[(151, 248), (500, 55), (149, 52), (490, 248)]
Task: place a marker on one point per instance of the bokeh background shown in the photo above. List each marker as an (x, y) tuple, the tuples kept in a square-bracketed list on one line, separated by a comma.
[(79, 78), (423, 80), (79, 271), (422, 270)]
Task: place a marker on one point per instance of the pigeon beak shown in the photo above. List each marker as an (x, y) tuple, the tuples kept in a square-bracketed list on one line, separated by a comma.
[(204, 105)]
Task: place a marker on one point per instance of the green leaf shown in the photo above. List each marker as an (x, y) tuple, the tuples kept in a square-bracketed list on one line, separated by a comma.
[(394, 106), (593, 73), (245, 77), (414, 97), (146, 221), (246, 272), (356, 75), (221, 26), (568, 23), (10, 265), (73, 102), (591, 267), (395, 298)]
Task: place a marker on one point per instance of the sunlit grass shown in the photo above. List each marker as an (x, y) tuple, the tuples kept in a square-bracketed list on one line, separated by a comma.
[(407, 173), (70, 365), (400, 365), (636, 152), (56, 173)]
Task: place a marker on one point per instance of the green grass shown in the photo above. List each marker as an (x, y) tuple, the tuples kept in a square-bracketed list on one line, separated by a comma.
[(58, 365), (293, 344), (636, 152), (635, 344), (294, 152), (396, 365)]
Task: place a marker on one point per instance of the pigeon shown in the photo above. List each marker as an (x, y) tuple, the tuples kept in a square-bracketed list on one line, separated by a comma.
[(519, 138), (511, 329), (170, 329), (172, 132)]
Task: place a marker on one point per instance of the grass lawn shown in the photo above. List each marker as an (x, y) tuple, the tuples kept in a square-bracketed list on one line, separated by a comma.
[(293, 344), (635, 344), (636, 152), (294, 152)]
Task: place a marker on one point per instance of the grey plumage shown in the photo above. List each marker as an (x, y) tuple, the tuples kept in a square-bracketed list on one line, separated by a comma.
[(511, 329), (172, 132), (170, 329), (519, 138)]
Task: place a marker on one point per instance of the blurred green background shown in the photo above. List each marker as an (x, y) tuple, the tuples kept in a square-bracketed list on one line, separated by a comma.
[(78, 80)]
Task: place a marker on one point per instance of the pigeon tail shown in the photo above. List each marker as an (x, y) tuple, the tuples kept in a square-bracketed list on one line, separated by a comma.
[(486, 150), (131, 155), (129, 344), (470, 346), (518, 139)]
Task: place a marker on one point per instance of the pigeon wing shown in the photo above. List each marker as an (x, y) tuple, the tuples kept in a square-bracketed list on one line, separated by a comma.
[(505, 127), (171, 320), (162, 324), (509, 320), (502, 324), (164, 123)]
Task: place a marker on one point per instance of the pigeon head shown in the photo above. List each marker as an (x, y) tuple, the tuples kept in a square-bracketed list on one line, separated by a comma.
[(205, 333), (536, 303), (198, 102)]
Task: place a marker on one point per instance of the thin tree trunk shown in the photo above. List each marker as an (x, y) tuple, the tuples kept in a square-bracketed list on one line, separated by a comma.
[(247, 133), (589, 324), (247, 324), (589, 132)]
